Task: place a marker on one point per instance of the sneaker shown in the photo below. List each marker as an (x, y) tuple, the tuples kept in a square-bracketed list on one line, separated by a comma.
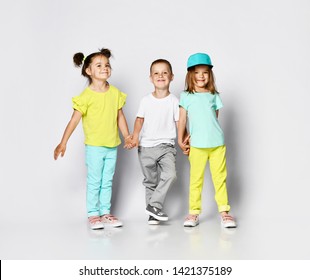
[(153, 221), (156, 213), (228, 221), (95, 222), (110, 221), (191, 220)]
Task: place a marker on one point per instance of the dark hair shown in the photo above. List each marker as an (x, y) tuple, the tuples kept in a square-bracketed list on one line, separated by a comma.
[(80, 60), (189, 81), (161, 61)]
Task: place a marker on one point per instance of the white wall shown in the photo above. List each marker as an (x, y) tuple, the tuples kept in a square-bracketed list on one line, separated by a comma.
[(260, 52)]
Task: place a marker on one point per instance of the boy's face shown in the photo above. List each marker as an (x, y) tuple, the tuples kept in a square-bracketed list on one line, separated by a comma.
[(161, 75)]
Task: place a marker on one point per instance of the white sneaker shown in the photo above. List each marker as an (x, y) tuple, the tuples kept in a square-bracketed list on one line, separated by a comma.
[(110, 221), (95, 222), (228, 221), (191, 220)]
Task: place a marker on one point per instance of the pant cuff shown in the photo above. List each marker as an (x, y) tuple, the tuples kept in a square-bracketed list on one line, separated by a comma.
[(194, 212), (224, 208)]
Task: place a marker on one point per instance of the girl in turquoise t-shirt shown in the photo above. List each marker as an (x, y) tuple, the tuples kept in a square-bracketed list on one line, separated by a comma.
[(100, 107), (200, 104)]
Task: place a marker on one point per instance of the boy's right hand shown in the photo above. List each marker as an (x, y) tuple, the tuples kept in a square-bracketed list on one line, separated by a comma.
[(135, 141), (60, 149), (185, 145)]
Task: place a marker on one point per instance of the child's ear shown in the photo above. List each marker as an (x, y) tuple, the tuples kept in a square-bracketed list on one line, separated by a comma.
[(87, 70), (172, 77)]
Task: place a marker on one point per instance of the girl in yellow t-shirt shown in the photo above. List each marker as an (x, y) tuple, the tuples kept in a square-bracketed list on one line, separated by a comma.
[(100, 107)]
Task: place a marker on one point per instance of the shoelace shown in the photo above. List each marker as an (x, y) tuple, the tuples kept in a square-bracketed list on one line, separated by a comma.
[(191, 218), (94, 220), (110, 217), (227, 218)]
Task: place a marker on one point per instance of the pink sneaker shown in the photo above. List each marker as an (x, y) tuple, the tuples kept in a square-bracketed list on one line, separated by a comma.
[(95, 222), (110, 220), (191, 220), (228, 221)]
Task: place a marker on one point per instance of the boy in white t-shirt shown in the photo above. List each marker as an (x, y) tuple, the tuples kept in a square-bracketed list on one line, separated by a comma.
[(157, 119)]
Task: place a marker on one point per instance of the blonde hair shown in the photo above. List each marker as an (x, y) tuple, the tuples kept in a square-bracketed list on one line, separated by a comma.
[(190, 79)]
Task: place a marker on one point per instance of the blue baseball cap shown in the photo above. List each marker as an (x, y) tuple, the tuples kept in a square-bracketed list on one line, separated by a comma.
[(199, 59)]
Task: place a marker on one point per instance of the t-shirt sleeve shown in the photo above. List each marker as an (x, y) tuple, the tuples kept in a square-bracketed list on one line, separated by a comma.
[(141, 110), (184, 101), (218, 102), (79, 103), (121, 100)]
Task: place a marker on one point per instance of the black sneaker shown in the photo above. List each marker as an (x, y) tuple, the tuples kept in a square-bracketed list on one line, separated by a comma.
[(156, 213), (153, 221)]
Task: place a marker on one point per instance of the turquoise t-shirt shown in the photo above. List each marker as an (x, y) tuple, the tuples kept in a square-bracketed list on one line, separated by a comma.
[(204, 127)]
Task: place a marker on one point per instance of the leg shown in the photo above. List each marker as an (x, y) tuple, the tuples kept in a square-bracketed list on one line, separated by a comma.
[(219, 175), (198, 159), (94, 163), (149, 169), (166, 163), (108, 171)]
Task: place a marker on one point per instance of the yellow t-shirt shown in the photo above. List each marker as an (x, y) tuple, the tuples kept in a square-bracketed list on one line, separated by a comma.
[(99, 115)]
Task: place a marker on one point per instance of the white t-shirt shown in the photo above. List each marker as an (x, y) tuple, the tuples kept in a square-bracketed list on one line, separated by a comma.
[(160, 115)]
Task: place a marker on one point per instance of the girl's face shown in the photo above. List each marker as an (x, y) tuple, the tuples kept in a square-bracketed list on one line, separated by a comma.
[(161, 75), (201, 78), (99, 69)]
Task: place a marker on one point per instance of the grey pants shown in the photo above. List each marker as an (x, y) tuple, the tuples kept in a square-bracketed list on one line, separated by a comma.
[(158, 167)]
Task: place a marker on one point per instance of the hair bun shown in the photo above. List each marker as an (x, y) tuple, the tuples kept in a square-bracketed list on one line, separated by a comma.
[(106, 52), (78, 59)]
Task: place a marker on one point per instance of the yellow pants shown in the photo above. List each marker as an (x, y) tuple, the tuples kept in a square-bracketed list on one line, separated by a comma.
[(198, 159)]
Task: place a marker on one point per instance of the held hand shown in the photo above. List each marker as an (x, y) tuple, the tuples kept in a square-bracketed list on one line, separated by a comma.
[(128, 142), (135, 141), (185, 145), (187, 139), (60, 149)]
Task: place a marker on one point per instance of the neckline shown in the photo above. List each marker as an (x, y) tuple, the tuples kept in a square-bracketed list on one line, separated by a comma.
[(160, 98), (99, 92)]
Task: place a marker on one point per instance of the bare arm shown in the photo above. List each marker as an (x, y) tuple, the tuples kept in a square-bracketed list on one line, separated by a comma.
[(183, 138), (74, 121), (136, 132), (123, 127)]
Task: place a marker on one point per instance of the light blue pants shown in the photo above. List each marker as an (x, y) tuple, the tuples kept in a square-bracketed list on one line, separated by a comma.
[(100, 162)]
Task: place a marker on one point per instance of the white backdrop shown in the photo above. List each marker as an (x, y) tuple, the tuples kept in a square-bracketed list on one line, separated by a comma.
[(260, 52)]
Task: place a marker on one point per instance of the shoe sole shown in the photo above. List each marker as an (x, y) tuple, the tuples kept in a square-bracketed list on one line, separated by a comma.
[(153, 223), (191, 225), (111, 225), (163, 219), (229, 225), (96, 227)]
